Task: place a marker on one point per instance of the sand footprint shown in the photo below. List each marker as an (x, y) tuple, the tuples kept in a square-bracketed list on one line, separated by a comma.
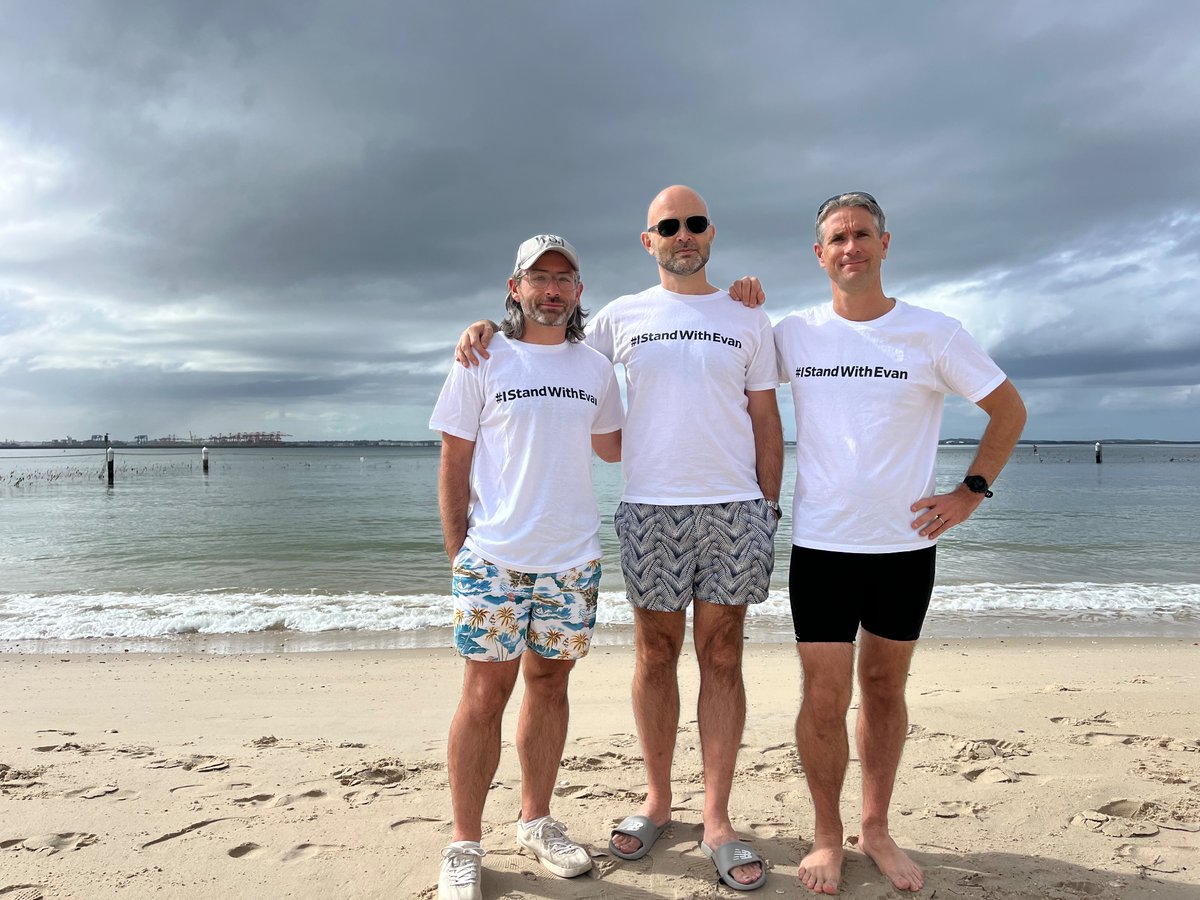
[(23, 892), (938, 767), (989, 748), (1164, 742), (791, 798), (241, 851), (383, 772), (607, 760), (1120, 818), (49, 844), (952, 809), (993, 775), (1146, 859), (254, 800), (1100, 718), (111, 791), (18, 778), (292, 799), (1152, 770), (422, 825), (193, 763), (309, 851), (619, 740), (92, 793), (137, 751), (766, 830), (361, 798), (65, 747)]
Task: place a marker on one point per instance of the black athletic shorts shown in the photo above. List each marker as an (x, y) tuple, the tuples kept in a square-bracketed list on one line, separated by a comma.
[(834, 593)]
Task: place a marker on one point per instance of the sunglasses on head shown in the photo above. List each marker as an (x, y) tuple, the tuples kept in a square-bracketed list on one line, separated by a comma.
[(670, 227)]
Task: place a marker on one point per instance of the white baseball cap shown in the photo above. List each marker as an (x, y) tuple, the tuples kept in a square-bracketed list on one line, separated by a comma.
[(532, 250)]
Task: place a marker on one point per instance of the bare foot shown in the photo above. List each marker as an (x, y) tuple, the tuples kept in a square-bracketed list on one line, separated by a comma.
[(902, 872), (821, 870)]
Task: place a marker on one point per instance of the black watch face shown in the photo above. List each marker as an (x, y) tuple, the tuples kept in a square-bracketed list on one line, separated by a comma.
[(976, 484)]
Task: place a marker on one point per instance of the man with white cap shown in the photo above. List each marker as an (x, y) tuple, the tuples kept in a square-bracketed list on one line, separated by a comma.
[(521, 526)]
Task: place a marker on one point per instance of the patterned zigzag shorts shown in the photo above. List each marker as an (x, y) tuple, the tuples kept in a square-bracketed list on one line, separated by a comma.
[(498, 613), (720, 553)]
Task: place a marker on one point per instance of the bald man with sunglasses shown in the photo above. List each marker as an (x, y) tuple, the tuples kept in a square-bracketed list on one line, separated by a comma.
[(702, 460)]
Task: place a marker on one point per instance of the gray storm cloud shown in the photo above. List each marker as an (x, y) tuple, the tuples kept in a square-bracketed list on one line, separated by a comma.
[(219, 217)]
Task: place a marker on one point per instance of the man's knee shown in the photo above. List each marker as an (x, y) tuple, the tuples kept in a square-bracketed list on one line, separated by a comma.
[(828, 680), (658, 644), (882, 684), (883, 668), (721, 658), (547, 678), (826, 700)]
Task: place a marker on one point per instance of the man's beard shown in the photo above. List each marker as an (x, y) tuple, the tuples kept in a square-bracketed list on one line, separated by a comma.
[(542, 317), (688, 265)]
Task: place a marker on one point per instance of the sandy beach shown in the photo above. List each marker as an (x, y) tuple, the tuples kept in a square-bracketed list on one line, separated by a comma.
[(1056, 768)]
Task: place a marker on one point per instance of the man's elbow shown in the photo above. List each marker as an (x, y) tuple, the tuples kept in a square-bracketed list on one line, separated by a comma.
[(608, 446), (1007, 409)]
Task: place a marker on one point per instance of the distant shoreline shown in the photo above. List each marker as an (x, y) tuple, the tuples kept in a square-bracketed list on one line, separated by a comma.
[(287, 445)]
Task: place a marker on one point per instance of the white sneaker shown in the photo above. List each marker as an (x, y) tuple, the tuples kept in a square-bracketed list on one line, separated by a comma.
[(548, 841), (462, 864)]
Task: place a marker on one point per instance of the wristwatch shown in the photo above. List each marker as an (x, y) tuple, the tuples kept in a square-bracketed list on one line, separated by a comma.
[(774, 505), (977, 484)]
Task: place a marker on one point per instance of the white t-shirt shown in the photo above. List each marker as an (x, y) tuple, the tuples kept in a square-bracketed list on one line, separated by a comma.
[(531, 410), (868, 399), (689, 361)]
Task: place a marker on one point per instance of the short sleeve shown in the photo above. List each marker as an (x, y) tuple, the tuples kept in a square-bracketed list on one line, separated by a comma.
[(762, 374), (783, 371), (460, 403), (610, 415), (966, 369), (599, 335)]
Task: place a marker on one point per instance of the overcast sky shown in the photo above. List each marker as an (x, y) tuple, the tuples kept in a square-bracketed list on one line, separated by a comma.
[(277, 216)]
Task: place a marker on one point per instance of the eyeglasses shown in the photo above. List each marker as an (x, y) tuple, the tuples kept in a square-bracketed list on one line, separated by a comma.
[(845, 194), (541, 280), (670, 227)]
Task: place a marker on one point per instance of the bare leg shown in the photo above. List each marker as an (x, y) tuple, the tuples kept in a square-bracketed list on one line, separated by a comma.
[(659, 638), (474, 745), (542, 730), (824, 748), (722, 716), (882, 729)]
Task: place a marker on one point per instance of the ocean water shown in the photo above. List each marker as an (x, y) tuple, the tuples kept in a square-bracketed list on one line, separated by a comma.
[(288, 548)]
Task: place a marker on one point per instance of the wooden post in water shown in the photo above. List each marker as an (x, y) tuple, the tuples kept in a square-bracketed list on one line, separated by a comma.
[(109, 456), (1099, 454), (204, 459)]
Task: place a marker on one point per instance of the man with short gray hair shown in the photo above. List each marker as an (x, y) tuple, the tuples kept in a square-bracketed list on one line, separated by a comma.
[(868, 375)]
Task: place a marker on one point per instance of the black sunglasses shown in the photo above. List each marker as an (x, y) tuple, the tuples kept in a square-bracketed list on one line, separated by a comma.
[(670, 227)]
